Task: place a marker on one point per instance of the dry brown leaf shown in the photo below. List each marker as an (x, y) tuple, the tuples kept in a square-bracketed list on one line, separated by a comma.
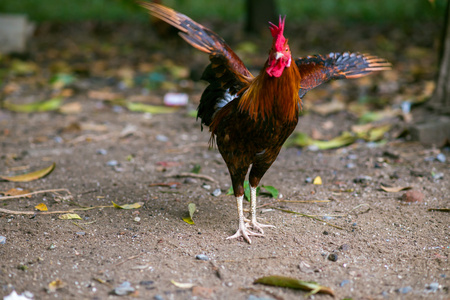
[(41, 207), (16, 192), (70, 108), (104, 95), (395, 189)]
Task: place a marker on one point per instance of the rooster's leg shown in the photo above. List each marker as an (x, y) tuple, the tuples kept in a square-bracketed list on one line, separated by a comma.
[(242, 231), (253, 222)]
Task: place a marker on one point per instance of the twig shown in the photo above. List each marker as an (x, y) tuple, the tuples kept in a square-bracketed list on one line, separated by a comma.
[(74, 223), (15, 212), (35, 193), (358, 206), (294, 201), (194, 175), (308, 216), (128, 259), (439, 209)]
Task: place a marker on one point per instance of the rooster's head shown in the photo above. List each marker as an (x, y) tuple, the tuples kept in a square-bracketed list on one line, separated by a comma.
[(280, 54)]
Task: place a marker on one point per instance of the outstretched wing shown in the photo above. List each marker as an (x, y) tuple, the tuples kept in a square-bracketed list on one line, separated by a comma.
[(317, 69), (226, 73), (225, 64)]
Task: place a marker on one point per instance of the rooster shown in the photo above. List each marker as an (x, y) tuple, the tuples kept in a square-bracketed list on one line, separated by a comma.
[(250, 117)]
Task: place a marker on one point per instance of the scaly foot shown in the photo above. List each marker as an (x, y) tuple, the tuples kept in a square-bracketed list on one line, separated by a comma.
[(256, 225), (244, 233)]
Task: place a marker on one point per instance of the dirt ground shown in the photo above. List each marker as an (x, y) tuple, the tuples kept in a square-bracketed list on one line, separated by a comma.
[(386, 248)]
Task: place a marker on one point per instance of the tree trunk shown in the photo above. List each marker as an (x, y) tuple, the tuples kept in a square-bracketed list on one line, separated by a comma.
[(259, 13), (441, 97)]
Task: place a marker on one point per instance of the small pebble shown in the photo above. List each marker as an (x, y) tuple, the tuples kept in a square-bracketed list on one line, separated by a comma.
[(58, 139), (124, 289), (81, 233), (433, 287), (202, 257), (350, 166), (190, 180), (206, 186), (28, 294), (216, 192), (112, 163), (438, 176), (344, 247), (405, 290), (413, 196), (327, 218), (352, 156), (2, 240), (158, 297), (102, 151), (146, 282), (325, 232), (354, 224), (137, 219), (362, 179), (441, 157), (51, 247), (333, 257), (344, 282), (308, 180), (162, 138)]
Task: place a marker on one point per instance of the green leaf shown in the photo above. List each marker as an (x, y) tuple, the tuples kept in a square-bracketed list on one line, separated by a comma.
[(293, 283), (60, 80), (191, 209), (303, 140), (196, 169), (40, 106), (30, 176), (153, 109), (127, 206), (273, 191)]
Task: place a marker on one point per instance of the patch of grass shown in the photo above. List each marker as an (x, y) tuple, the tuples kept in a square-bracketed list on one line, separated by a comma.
[(392, 11)]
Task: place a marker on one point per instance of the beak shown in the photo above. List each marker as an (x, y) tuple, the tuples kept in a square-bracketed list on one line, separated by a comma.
[(278, 55)]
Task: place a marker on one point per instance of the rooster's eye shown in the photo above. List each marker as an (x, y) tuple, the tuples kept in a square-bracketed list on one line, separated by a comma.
[(287, 49)]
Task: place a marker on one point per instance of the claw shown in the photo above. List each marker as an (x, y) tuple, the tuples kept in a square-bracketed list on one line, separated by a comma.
[(258, 226), (244, 233)]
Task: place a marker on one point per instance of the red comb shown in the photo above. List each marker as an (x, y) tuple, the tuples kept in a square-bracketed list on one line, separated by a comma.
[(277, 33)]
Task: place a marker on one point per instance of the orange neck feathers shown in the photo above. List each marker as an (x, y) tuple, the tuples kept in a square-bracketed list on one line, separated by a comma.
[(273, 97)]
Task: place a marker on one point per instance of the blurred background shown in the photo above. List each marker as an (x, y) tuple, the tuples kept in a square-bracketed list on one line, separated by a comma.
[(112, 52)]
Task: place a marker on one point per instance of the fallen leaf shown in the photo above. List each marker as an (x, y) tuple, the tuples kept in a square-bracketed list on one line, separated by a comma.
[(16, 192), (128, 206), (104, 95), (30, 176), (20, 67), (69, 217), (317, 180), (182, 285), (60, 80), (301, 139), (153, 109), (273, 191), (55, 285), (41, 207), (39, 106), (395, 189), (189, 219), (70, 108), (293, 283), (328, 108), (171, 184)]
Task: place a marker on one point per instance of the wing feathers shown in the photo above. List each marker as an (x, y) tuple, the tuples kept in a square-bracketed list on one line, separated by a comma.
[(318, 69)]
